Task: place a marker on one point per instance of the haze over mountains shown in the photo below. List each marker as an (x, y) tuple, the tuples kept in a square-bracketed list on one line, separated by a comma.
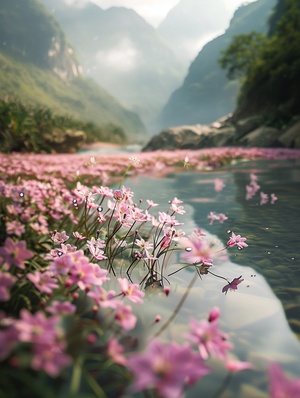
[(206, 93), (192, 23), (122, 53), (138, 65)]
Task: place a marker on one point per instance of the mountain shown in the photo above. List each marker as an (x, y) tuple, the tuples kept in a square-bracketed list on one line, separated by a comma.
[(39, 65), (192, 23), (29, 34), (206, 93), (123, 53)]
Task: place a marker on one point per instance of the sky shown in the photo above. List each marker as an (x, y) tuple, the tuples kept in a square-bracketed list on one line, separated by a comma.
[(153, 11)]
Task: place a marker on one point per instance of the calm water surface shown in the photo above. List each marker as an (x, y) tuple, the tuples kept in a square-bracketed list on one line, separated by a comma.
[(263, 317)]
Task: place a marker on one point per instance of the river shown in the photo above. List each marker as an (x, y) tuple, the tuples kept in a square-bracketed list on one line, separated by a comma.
[(262, 317)]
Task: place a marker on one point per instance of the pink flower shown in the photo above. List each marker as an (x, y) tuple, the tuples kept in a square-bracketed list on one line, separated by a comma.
[(236, 366), (86, 274), (217, 217), (232, 285), (103, 298), (43, 281), (15, 228), (166, 368), (15, 253), (131, 290), (212, 217), (6, 281), (167, 290), (166, 241), (197, 250), (59, 251), (237, 240), (198, 232), (219, 184), (186, 162), (64, 261), (263, 198), (273, 198), (115, 351), (36, 328), (59, 237), (209, 339), (151, 203), (104, 191), (124, 316), (177, 209), (280, 385), (214, 314), (250, 192), (253, 187), (222, 218), (61, 307), (50, 358), (117, 194), (165, 218), (174, 206), (95, 247), (78, 235)]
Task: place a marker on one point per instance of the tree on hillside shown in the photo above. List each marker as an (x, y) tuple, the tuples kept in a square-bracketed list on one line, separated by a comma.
[(242, 54), (269, 65)]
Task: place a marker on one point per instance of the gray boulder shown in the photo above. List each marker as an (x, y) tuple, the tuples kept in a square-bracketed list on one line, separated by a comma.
[(291, 137), (180, 137), (248, 132), (263, 136), (224, 136)]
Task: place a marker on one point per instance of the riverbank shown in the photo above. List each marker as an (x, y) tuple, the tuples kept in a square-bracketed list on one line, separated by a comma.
[(101, 145), (109, 147)]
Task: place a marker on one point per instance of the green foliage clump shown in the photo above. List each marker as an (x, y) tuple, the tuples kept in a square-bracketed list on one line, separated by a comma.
[(242, 55), (29, 128), (269, 66)]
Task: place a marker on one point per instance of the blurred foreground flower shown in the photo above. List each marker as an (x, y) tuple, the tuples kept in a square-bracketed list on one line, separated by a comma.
[(166, 368)]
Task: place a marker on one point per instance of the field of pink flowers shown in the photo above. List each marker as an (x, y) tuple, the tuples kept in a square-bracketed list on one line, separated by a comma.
[(65, 232)]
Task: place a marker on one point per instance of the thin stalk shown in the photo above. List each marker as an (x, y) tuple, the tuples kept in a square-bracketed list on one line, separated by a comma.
[(76, 376), (178, 307), (224, 385)]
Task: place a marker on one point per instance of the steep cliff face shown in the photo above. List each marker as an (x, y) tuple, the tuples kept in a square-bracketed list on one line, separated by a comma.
[(206, 93), (122, 53), (46, 47)]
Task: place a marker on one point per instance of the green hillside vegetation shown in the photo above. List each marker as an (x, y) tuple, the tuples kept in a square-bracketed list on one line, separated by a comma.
[(39, 67), (271, 78), (36, 129), (80, 97)]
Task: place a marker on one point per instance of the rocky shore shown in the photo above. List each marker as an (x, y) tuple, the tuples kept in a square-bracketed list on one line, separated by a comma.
[(249, 132)]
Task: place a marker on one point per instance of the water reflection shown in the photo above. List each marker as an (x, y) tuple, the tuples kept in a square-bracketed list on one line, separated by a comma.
[(253, 316)]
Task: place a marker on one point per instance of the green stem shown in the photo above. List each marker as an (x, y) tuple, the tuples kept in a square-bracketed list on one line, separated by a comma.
[(178, 307), (218, 276), (76, 376), (224, 385)]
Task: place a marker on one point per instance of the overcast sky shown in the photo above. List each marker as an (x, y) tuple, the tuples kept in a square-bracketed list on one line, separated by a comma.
[(153, 11)]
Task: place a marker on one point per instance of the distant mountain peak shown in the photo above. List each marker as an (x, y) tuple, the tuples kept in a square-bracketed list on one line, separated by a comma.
[(206, 93), (192, 23)]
